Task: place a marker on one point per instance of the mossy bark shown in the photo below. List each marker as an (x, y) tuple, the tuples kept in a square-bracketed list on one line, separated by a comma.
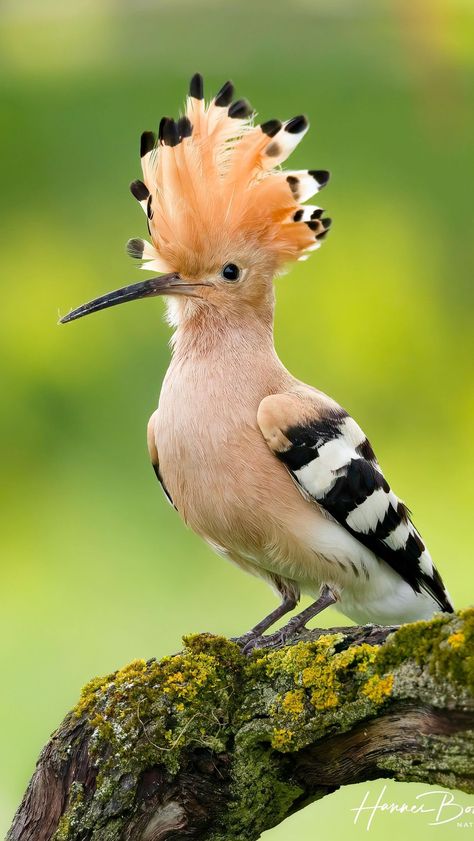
[(212, 745)]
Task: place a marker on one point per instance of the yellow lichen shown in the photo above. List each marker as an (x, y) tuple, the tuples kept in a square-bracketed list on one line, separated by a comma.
[(377, 688), (293, 702), (325, 680), (456, 640), (324, 674), (281, 738), (324, 699), (174, 682)]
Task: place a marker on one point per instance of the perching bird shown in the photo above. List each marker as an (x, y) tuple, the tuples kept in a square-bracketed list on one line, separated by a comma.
[(272, 473)]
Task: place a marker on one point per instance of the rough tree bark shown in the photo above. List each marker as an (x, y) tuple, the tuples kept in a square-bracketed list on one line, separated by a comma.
[(209, 744)]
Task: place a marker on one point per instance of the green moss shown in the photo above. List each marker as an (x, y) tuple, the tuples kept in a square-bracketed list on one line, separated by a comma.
[(444, 646), (449, 759), (149, 712), (261, 796), (255, 709), (71, 820)]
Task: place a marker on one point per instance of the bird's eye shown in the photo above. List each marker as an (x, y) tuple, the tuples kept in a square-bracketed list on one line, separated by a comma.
[(230, 272)]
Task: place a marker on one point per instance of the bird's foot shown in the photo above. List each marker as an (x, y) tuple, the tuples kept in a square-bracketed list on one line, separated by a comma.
[(276, 640), (244, 640)]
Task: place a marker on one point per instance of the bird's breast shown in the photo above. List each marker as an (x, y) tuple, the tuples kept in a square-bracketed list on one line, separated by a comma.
[(214, 462)]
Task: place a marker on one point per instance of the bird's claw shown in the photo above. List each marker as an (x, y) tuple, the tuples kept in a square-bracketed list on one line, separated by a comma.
[(243, 640), (276, 640)]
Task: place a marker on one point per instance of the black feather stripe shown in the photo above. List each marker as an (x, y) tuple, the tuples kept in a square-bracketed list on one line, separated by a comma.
[(319, 430), (406, 562), (168, 132), (435, 586), (271, 127), (297, 124), (224, 95), (161, 127), (298, 456), (164, 488), (135, 248), (322, 176), (365, 450), (293, 183), (387, 524), (147, 142), (240, 109), (308, 438), (139, 190), (350, 490), (185, 128), (196, 87)]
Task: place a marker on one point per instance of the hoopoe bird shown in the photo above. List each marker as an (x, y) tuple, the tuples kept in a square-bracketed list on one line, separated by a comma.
[(272, 473)]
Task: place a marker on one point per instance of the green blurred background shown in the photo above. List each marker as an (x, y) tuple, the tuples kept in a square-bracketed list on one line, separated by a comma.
[(96, 568)]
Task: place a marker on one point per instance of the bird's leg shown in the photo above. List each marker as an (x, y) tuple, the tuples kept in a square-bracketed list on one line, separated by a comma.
[(288, 603), (326, 599)]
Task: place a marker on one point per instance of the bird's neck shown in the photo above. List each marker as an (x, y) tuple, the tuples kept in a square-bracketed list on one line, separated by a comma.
[(208, 333), (220, 365)]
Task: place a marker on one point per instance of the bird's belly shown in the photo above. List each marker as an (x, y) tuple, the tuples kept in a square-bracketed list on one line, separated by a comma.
[(232, 491), (229, 488), (220, 484)]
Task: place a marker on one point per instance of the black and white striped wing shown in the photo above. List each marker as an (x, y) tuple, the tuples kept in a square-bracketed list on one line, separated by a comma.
[(333, 463)]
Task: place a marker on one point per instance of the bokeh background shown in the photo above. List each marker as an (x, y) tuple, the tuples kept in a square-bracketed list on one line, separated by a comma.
[(96, 568)]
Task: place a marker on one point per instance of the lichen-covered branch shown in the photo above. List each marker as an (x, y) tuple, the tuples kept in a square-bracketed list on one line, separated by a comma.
[(211, 745)]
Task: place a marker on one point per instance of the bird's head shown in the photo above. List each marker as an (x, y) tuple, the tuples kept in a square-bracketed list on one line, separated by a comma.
[(222, 215)]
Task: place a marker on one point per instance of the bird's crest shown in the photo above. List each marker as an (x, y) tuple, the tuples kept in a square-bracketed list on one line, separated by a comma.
[(213, 177)]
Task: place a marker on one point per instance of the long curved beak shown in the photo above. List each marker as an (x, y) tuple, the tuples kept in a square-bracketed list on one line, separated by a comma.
[(164, 285)]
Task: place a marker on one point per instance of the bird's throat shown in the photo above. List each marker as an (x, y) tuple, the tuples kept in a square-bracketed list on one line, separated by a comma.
[(205, 332)]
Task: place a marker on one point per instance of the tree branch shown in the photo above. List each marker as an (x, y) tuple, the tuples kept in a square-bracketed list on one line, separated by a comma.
[(210, 745)]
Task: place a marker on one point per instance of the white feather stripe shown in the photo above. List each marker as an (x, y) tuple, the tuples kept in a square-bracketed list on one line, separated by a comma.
[(281, 146), (370, 512), (156, 265), (307, 186), (150, 164), (336, 453), (426, 564), (308, 210), (398, 537), (319, 476), (352, 432), (149, 251)]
